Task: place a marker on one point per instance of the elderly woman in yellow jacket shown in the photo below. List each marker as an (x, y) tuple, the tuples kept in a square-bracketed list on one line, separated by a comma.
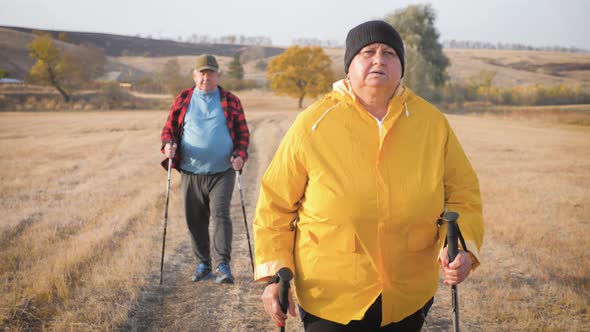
[(351, 200)]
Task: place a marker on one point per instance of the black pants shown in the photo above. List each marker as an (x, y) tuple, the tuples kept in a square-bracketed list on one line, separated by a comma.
[(206, 196), (371, 321)]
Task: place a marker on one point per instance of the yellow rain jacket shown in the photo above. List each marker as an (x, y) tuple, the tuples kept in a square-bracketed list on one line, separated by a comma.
[(351, 205)]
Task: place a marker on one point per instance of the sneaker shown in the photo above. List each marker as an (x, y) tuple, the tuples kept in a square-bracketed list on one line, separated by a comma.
[(224, 275), (203, 272)]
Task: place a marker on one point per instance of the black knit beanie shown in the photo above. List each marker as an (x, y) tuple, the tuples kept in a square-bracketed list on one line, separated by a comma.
[(369, 33)]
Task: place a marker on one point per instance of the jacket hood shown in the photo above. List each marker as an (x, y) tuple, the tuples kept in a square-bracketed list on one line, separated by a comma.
[(342, 93), (344, 89)]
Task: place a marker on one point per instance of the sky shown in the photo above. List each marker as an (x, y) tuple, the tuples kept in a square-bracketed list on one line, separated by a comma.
[(530, 22)]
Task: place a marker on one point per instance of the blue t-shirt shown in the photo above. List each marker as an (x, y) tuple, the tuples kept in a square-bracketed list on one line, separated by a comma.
[(206, 143)]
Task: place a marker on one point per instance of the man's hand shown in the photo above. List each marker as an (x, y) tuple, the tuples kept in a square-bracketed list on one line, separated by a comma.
[(270, 299), (456, 271), (237, 163), (170, 151)]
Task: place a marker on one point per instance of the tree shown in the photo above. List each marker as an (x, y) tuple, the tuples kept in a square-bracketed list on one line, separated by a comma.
[(236, 71), (63, 36), (49, 67), (171, 77), (300, 72), (64, 70), (85, 64), (418, 74), (261, 64), (426, 64)]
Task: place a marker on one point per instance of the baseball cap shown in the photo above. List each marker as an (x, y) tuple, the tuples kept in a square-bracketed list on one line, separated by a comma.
[(206, 62)]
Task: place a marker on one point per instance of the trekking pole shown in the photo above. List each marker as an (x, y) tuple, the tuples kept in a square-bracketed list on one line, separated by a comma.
[(453, 251), (239, 178), (285, 275), (166, 215)]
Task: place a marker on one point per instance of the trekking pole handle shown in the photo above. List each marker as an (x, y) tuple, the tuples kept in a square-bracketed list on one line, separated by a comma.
[(452, 234), (285, 275), (453, 251), (234, 155)]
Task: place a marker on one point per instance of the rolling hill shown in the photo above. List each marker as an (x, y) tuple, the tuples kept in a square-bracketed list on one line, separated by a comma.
[(138, 56), (15, 59)]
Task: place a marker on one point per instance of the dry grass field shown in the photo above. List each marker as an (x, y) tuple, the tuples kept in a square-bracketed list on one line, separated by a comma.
[(514, 68), (82, 203)]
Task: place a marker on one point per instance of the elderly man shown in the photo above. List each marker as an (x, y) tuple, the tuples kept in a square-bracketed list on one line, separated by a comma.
[(207, 137)]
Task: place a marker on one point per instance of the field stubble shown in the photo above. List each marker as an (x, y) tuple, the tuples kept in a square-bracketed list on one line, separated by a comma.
[(83, 199)]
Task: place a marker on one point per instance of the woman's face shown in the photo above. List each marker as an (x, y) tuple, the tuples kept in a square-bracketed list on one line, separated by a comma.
[(376, 65)]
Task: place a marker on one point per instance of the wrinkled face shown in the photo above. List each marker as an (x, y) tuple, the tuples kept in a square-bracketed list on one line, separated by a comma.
[(206, 80), (376, 65)]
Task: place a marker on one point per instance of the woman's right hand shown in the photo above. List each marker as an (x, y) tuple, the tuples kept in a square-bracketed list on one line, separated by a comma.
[(170, 151), (270, 299)]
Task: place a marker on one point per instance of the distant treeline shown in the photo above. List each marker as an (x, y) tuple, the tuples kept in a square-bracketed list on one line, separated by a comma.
[(266, 41), (508, 46), (317, 42), (227, 39), (248, 40)]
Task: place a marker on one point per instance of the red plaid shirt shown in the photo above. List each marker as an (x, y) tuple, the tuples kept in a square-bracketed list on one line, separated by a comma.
[(234, 115)]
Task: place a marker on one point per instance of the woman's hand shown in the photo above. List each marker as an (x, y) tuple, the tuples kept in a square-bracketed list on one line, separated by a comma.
[(270, 299), (456, 271)]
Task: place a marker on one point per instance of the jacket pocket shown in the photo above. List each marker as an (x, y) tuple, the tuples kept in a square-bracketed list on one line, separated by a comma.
[(327, 252), (422, 236), (327, 238)]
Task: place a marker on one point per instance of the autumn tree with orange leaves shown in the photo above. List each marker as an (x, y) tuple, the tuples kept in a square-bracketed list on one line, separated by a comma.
[(300, 72)]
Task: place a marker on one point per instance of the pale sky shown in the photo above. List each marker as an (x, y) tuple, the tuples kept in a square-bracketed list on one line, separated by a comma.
[(529, 22)]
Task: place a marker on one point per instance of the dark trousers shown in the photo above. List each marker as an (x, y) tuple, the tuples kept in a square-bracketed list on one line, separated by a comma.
[(371, 321), (206, 196)]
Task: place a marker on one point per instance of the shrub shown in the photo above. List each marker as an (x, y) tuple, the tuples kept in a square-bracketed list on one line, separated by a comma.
[(261, 64), (112, 96), (519, 95), (149, 85)]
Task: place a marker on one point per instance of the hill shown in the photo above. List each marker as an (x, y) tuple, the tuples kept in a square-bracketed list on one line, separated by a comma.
[(136, 57), (119, 45), (515, 68), (15, 57), (512, 68)]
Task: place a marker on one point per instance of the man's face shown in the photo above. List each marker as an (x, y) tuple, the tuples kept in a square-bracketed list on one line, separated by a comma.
[(376, 65), (206, 80)]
